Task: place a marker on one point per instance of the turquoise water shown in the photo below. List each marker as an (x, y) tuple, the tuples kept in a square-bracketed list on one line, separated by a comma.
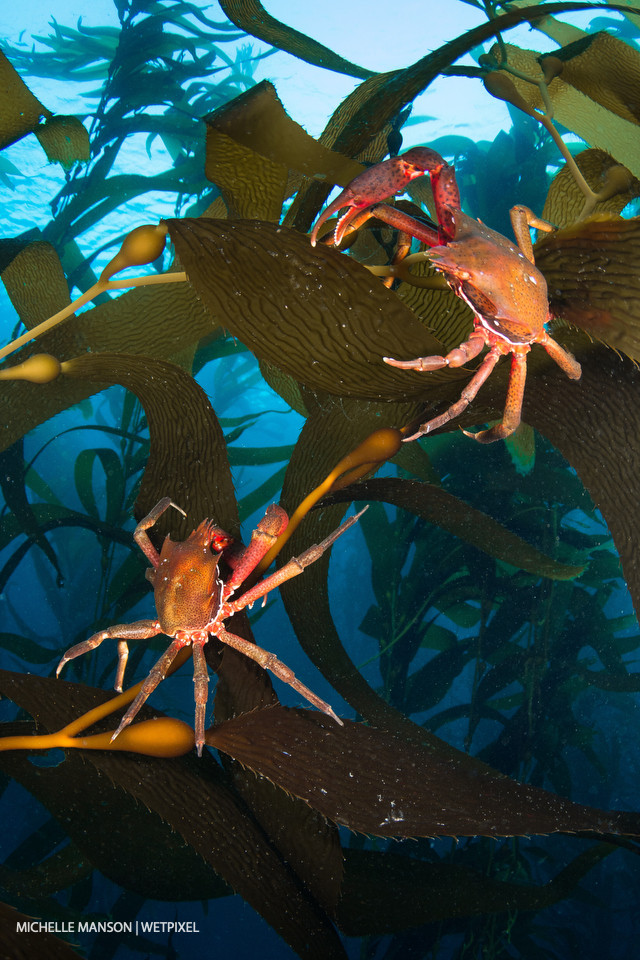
[(531, 673)]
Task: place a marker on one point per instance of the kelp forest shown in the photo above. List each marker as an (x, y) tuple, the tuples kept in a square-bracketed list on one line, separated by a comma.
[(320, 468)]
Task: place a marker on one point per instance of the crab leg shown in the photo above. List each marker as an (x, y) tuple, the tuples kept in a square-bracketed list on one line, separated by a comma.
[(562, 357), (200, 690), (293, 568), (140, 630), (140, 533), (455, 358), (513, 405), (155, 676), (269, 661), (467, 395)]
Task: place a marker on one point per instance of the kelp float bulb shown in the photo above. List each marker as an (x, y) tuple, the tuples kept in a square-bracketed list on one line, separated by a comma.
[(502, 87), (378, 447), (159, 737), (142, 245), (551, 67), (40, 368)]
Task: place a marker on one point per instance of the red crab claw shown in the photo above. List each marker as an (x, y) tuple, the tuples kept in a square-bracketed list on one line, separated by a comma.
[(378, 183)]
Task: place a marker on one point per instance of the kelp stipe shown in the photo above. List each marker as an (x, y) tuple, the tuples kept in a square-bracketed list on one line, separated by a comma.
[(482, 607)]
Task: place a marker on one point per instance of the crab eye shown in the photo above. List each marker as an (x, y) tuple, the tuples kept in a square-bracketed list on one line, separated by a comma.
[(220, 542)]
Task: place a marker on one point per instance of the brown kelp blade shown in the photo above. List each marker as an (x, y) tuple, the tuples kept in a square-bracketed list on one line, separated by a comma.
[(595, 425), (158, 321), (318, 315), (251, 16), (438, 506), (591, 269), (257, 121), (215, 823), (187, 456), (565, 200), (110, 827), (384, 892), (375, 783)]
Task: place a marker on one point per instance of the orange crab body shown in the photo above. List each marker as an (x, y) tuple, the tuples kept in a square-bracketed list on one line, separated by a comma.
[(496, 278), (193, 601)]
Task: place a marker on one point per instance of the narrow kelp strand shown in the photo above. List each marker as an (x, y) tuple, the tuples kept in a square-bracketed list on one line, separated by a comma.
[(159, 737), (142, 245), (379, 447)]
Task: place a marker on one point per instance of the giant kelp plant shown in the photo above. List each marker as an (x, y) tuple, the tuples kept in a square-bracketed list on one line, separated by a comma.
[(493, 639)]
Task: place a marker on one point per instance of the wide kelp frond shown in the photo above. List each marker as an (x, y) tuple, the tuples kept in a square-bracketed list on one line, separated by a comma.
[(378, 784), (488, 596)]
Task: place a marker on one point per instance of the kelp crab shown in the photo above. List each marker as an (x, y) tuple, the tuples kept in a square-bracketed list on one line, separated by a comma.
[(498, 280), (193, 601)]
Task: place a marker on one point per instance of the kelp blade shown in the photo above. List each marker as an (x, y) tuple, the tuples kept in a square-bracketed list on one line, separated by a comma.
[(375, 783)]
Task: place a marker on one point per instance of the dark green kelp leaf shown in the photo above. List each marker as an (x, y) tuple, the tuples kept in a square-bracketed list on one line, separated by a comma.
[(591, 269), (217, 824), (375, 783), (434, 504), (113, 831), (387, 892), (251, 17), (318, 315), (188, 457), (595, 424)]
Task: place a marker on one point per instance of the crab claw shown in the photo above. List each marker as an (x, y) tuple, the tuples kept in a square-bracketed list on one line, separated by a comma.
[(376, 184)]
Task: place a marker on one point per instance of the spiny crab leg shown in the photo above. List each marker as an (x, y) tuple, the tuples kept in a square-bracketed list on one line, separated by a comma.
[(269, 661), (292, 568), (466, 397), (155, 676), (140, 630)]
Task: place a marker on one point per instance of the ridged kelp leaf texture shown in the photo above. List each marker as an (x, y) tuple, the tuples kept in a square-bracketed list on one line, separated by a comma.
[(157, 321), (436, 505), (20, 110), (316, 314), (565, 200), (591, 269), (378, 784), (258, 121), (431, 892), (595, 425), (187, 456), (194, 797)]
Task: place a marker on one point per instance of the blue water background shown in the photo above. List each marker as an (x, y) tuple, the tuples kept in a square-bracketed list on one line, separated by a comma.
[(35, 605)]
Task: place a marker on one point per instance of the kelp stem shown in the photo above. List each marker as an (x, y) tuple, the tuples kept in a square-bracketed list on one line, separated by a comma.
[(149, 737), (379, 447), (90, 294)]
